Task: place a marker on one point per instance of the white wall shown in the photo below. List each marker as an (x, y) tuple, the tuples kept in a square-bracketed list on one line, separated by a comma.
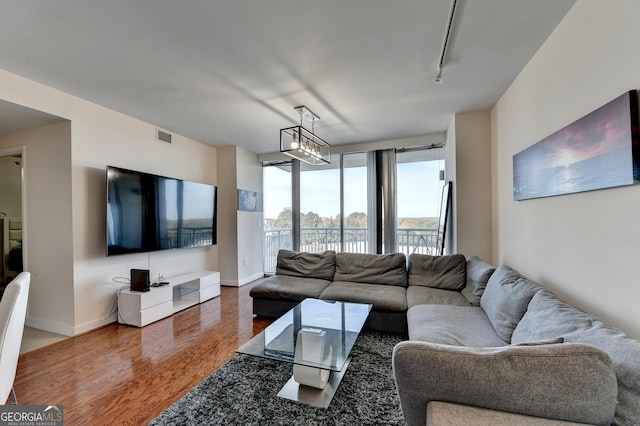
[(450, 154), (583, 246), (473, 185), (241, 259), (101, 137), (227, 209), (250, 235), (47, 233), (468, 165)]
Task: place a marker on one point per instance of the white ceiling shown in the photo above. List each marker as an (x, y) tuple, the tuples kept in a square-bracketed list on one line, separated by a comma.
[(230, 72)]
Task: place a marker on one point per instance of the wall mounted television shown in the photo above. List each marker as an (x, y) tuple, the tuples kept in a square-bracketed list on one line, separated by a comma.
[(146, 212)]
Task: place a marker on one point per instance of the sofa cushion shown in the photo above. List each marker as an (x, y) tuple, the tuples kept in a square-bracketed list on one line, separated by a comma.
[(418, 295), (309, 265), (451, 325), (478, 274), (446, 272), (289, 288), (389, 269), (548, 316), (505, 299), (568, 381), (447, 414), (550, 341), (382, 297)]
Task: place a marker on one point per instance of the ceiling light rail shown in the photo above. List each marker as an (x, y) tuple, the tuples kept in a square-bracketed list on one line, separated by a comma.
[(302, 144), (445, 43)]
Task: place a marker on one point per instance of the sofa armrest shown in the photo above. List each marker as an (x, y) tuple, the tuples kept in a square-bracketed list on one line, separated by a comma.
[(447, 414), (571, 382)]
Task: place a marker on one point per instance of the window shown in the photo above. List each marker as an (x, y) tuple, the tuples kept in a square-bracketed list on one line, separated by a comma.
[(336, 205)]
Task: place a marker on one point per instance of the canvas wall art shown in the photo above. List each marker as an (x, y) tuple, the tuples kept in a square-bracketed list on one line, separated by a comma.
[(600, 150), (249, 201)]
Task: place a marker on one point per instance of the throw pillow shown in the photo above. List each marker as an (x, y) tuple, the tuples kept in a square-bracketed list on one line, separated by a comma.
[(478, 274), (445, 272), (505, 300)]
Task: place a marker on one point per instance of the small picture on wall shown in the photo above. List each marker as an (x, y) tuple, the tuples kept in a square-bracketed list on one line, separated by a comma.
[(249, 201), (600, 150)]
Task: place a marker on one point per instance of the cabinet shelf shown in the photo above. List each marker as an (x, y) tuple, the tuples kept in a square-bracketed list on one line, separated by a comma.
[(142, 308)]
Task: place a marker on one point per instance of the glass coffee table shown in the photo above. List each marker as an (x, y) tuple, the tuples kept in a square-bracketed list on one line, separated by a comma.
[(316, 336)]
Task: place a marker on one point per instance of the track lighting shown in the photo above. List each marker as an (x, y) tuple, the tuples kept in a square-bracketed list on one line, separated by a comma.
[(438, 78), (445, 43)]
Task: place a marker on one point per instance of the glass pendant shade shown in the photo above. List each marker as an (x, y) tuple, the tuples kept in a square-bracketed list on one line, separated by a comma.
[(301, 144)]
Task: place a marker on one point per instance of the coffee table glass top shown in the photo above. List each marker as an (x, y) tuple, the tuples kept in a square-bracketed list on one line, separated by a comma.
[(337, 323)]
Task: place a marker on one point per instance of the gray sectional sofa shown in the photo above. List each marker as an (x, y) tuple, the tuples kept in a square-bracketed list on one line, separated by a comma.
[(485, 345), (380, 280), (514, 354)]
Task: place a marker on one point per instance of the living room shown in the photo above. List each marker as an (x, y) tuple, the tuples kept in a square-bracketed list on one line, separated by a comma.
[(580, 246)]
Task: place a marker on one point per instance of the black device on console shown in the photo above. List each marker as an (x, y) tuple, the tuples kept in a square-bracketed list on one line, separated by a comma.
[(139, 280)]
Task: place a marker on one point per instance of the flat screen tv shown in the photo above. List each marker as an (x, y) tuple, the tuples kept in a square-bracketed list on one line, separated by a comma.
[(146, 212)]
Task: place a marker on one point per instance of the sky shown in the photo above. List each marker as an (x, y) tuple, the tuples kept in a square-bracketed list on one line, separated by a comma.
[(418, 190)]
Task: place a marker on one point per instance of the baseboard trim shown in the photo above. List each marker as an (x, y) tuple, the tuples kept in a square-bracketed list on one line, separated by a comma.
[(65, 330), (244, 281), (49, 326), (96, 324)]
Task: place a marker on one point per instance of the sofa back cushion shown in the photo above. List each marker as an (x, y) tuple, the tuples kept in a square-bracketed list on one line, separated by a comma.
[(505, 299), (549, 317), (445, 272), (309, 265), (478, 274), (568, 381), (389, 269)]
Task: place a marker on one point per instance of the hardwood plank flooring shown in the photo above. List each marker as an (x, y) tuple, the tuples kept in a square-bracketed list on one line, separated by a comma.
[(123, 375)]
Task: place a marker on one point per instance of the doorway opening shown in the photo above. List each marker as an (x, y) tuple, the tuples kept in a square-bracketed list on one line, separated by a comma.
[(11, 214)]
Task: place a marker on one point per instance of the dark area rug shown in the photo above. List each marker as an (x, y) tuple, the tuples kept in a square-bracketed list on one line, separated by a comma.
[(243, 392)]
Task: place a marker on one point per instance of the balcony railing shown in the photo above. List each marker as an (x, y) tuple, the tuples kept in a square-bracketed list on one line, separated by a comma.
[(189, 237), (356, 240)]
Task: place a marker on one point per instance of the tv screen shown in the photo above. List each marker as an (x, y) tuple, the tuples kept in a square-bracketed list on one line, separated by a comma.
[(146, 212)]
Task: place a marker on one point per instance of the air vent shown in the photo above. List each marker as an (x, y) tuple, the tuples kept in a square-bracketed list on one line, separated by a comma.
[(163, 136)]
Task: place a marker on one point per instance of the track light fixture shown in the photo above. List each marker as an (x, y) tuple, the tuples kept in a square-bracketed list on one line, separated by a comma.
[(445, 42), (438, 77)]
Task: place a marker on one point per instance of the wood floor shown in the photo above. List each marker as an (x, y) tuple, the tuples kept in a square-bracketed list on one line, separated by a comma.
[(126, 375)]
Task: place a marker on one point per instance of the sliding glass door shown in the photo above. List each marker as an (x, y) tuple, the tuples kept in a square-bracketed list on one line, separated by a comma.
[(419, 191), (320, 207), (355, 203), (278, 212)]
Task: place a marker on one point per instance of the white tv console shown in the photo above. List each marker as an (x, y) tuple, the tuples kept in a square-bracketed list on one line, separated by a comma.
[(140, 308)]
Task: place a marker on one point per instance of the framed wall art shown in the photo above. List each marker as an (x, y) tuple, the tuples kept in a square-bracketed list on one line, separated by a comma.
[(249, 201)]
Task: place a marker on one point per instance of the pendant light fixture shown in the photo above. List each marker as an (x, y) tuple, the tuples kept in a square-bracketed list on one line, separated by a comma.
[(302, 144)]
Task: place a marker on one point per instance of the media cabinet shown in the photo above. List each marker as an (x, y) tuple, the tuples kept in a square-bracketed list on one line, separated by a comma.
[(140, 308)]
